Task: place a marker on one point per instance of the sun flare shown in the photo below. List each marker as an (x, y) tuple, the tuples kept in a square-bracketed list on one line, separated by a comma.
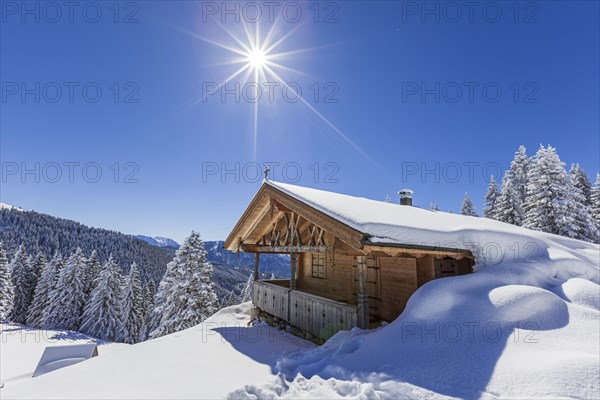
[(257, 59)]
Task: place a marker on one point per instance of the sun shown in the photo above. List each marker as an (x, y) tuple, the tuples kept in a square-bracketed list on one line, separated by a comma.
[(257, 59)]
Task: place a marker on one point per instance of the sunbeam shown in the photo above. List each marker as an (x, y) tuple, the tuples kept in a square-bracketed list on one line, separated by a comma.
[(257, 56)]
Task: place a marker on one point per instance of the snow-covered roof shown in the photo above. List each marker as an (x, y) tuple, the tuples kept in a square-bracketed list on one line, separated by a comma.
[(392, 223)]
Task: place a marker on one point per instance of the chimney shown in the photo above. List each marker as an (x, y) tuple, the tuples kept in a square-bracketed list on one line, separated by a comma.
[(406, 197)]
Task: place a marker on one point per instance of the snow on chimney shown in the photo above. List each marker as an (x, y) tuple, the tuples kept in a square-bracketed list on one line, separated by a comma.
[(406, 197)]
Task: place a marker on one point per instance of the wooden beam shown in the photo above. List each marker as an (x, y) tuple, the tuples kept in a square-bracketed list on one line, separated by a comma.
[(234, 235), (417, 251), (324, 221), (257, 221), (253, 248)]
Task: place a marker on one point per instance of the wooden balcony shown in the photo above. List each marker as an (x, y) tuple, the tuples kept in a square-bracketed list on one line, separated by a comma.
[(317, 315)]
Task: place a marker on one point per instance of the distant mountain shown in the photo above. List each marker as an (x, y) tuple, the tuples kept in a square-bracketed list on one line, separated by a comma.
[(278, 264), (48, 234), (159, 241)]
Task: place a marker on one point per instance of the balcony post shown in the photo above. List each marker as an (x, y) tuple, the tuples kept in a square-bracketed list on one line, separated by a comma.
[(363, 297), (293, 269), (256, 261)]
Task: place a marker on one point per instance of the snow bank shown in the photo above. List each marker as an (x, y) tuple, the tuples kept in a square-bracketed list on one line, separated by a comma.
[(22, 347), (206, 361)]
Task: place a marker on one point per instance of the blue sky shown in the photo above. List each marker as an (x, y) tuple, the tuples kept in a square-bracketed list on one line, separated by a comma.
[(387, 75)]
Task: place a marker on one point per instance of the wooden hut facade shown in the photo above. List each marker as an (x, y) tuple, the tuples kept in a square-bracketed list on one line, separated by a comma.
[(342, 275)]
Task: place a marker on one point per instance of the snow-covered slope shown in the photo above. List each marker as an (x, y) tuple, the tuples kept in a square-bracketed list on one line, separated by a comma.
[(22, 347), (207, 361)]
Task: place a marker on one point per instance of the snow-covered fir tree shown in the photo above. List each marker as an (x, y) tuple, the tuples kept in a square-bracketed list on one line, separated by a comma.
[(41, 297), (68, 297), (549, 205), (584, 223), (23, 280), (582, 182), (519, 172), (103, 310), (7, 292), (93, 267), (582, 197), (247, 291), (232, 298), (149, 290), (489, 211), (509, 204), (185, 295), (595, 202), (132, 317), (467, 207), (38, 263)]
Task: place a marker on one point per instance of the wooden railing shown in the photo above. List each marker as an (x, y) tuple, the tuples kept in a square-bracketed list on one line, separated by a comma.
[(271, 298), (318, 315)]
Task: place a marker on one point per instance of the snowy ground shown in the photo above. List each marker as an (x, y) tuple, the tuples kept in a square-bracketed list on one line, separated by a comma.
[(525, 325), (22, 347), (207, 361)]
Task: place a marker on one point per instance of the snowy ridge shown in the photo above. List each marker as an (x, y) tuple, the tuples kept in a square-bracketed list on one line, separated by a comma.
[(9, 207), (158, 241)]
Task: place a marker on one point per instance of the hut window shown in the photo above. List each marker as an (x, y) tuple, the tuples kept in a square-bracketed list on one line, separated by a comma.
[(318, 265)]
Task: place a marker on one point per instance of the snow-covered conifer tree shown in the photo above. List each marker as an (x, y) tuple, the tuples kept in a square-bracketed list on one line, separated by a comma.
[(103, 310), (595, 202), (7, 292), (185, 295), (41, 297), (581, 195), (247, 291), (23, 280), (149, 291), (68, 297), (38, 263), (509, 204), (467, 207), (582, 182), (93, 268), (489, 211), (132, 317), (549, 205), (519, 171)]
